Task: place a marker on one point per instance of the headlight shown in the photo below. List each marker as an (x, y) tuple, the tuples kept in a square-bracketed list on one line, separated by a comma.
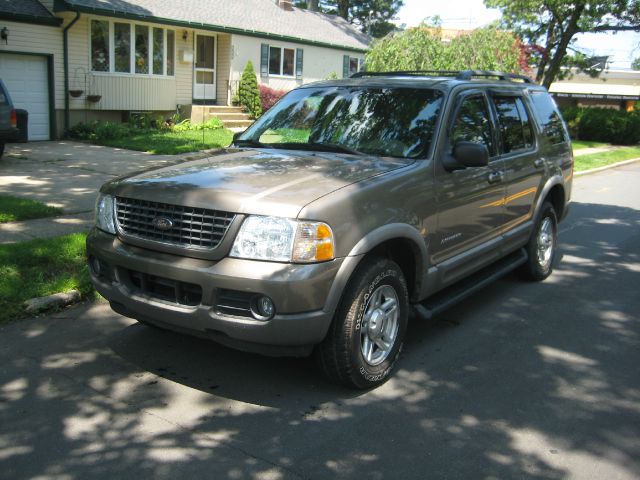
[(283, 240), (105, 208)]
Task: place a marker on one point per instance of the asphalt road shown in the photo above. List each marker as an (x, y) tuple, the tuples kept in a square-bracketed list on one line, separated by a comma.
[(519, 381)]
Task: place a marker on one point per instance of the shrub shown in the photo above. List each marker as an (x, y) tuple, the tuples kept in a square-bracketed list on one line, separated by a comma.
[(269, 96), (213, 123), (603, 125), (248, 93), (111, 131), (82, 131)]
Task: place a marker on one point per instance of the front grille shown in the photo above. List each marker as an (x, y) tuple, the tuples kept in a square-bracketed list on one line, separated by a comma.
[(192, 227), (166, 289)]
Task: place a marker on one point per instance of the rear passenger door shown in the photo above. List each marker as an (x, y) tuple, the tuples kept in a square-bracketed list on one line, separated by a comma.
[(522, 165)]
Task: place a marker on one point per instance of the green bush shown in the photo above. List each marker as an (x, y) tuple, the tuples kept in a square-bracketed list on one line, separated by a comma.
[(111, 131), (603, 125), (83, 131), (213, 123), (248, 92)]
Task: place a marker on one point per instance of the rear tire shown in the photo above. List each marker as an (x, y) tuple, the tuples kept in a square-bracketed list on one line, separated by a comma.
[(542, 246), (366, 335), (1, 149)]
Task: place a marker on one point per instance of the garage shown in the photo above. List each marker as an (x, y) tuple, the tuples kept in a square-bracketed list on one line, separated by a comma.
[(27, 79)]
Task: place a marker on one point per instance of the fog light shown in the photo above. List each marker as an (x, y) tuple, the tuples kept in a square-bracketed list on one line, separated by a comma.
[(263, 308)]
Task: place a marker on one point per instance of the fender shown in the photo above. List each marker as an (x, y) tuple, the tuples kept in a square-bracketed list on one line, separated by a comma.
[(392, 231), (551, 182)]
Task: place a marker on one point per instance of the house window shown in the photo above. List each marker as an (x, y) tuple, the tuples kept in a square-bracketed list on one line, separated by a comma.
[(127, 47), (282, 61), (122, 46), (171, 42), (351, 65), (158, 51), (99, 46), (142, 49)]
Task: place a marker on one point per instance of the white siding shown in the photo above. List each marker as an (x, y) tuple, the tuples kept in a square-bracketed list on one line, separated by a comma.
[(28, 38), (318, 62)]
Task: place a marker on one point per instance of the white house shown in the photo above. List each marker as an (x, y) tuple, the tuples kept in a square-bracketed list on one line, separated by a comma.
[(67, 61)]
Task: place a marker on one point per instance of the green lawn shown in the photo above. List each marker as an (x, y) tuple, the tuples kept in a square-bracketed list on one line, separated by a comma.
[(172, 143), (580, 144), (41, 267), (14, 209), (595, 160)]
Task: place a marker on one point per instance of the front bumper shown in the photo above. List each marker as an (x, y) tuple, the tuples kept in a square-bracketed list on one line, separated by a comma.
[(299, 293)]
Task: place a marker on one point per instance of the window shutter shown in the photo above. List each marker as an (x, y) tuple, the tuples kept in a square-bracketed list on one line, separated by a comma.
[(299, 55), (361, 65), (345, 66), (264, 60)]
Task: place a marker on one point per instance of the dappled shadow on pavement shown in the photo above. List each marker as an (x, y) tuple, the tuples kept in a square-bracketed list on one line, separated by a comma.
[(519, 381)]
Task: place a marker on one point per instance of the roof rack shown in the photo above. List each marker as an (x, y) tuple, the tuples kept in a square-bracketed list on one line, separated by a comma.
[(458, 75)]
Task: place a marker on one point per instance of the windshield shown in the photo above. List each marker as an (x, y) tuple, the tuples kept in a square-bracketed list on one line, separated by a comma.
[(395, 122)]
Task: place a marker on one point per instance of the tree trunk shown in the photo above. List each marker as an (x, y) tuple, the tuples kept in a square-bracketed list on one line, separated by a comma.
[(313, 5), (343, 9), (566, 36)]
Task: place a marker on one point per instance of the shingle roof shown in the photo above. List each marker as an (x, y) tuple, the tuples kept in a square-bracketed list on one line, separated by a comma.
[(26, 9), (254, 16)]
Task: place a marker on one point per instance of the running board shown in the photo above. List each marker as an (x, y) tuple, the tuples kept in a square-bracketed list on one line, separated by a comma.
[(451, 295)]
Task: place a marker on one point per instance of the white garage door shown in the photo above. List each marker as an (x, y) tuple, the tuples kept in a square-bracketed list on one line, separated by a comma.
[(27, 81)]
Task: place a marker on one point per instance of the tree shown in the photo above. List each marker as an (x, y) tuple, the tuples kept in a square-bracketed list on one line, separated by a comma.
[(422, 48), (636, 64), (248, 92), (372, 17), (549, 27)]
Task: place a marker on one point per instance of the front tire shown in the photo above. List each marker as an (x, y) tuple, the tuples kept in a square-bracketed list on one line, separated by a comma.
[(542, 246), (366, 336)]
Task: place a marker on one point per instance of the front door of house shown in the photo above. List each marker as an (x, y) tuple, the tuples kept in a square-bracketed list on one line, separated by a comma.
[(204, 75)]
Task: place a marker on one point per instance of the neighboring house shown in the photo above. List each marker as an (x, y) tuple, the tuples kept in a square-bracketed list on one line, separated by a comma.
[(67, 61), (619, 89)]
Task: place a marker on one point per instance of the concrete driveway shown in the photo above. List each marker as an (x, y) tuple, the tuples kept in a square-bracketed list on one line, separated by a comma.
[(521, 381), (67, 175)]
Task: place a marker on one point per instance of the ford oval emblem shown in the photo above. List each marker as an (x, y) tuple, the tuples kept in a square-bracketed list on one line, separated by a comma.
[(162, 223)]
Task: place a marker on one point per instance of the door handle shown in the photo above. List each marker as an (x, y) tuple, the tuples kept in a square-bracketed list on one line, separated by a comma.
[(495, 177), (538, 163)]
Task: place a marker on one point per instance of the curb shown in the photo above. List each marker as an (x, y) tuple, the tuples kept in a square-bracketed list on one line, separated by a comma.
[(57, 300), (606, 167)]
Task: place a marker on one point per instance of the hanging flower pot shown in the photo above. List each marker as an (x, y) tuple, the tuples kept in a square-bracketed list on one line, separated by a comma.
[(94, 98), (75, 93)]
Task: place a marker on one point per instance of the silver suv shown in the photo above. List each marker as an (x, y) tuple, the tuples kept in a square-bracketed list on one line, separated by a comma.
[(343, 207)]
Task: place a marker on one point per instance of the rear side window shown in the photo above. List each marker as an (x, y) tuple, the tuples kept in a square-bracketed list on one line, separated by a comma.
[(515, 127), (548, 117)]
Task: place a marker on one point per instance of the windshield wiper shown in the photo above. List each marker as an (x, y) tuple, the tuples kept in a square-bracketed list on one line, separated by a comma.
[(251, 143), (318, 146)]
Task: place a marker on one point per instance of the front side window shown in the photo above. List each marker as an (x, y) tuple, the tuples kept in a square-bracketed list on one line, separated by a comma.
[(397, 122), (100, 45), (122, 44), (142, 49), (472, 123)]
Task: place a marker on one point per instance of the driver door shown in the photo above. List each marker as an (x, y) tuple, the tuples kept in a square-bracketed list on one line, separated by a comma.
[(470, 200)]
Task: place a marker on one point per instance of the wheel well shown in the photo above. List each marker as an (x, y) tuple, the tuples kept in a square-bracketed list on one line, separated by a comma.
[(556, 197), (406, 254)]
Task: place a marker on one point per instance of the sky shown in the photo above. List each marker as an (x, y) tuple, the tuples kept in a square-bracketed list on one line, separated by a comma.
[(623, 47)]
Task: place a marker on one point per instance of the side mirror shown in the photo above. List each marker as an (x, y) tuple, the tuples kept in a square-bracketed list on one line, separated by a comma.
[(471, 154)]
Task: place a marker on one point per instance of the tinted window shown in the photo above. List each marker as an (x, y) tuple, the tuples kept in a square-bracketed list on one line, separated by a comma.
[(472, 123), (397, 122), (547, 116), (515, 127)]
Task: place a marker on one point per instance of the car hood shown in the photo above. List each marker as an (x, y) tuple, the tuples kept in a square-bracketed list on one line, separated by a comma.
[(262, 182)]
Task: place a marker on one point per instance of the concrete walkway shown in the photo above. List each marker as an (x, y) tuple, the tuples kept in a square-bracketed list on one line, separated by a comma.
[(67, 175)]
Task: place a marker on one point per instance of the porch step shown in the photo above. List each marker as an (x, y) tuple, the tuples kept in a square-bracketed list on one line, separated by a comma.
[(218, 109), (224, 116), (237, 123)]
